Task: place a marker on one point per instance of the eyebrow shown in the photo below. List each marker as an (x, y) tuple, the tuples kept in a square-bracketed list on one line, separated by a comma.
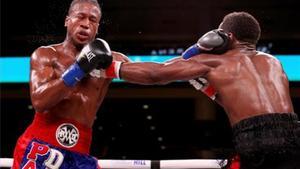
[(83, 13)]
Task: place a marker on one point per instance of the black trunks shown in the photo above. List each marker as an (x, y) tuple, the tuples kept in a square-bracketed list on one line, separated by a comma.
[(270, 141)]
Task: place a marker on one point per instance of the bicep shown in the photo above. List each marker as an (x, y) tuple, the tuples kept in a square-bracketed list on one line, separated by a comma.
[(161, 73), (41, 71), (181, 69), (174, 59)]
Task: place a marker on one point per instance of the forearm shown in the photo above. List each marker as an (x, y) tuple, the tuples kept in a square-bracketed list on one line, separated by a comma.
[(140, 73), (156, 73), (49, 94)]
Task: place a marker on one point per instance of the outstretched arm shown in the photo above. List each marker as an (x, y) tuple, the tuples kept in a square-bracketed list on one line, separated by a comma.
[(162, 73)]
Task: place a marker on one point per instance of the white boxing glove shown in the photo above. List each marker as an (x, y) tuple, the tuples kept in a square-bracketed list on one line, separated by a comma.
[(113, 71), (203, 85)]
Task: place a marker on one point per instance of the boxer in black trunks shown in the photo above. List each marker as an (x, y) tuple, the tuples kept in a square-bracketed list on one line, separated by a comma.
[(251, 86)]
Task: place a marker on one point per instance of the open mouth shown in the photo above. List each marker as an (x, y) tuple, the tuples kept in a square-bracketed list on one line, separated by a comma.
[(83, 35)]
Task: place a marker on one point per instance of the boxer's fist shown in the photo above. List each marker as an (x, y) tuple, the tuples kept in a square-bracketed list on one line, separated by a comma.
[(96, 54), (113, 71), (215, 42), (203, 85)]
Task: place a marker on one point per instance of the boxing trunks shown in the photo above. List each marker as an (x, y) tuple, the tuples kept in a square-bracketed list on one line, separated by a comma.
[(51, 142), (270, 141)]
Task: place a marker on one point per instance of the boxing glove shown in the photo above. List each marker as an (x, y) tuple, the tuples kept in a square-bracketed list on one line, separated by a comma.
[(215, 42), (202, 85), (95, 54), (113, 71)]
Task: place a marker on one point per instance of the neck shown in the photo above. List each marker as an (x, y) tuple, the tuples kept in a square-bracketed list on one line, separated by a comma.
[(70, 48), (245, 46)]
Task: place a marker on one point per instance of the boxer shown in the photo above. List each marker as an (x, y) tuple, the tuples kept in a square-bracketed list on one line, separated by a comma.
[(251, 86), (66, 91)]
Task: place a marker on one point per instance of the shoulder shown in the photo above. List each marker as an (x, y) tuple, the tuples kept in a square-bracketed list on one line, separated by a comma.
[(270, 59), (266, 56), (45, 53)]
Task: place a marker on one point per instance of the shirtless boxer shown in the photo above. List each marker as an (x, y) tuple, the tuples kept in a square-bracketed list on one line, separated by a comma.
[(66, 92), (251, 86)]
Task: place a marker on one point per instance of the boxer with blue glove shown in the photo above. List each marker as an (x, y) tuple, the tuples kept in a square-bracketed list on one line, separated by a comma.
[(66, 92)]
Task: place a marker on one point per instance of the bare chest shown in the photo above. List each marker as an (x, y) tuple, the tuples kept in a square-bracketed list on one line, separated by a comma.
[(89, 90), (90, 86)]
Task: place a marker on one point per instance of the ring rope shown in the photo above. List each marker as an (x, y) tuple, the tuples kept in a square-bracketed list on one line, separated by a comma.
[(148, 164)]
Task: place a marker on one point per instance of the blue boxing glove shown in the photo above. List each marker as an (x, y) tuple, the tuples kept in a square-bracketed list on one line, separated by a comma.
[(96, 54), (215, 42)]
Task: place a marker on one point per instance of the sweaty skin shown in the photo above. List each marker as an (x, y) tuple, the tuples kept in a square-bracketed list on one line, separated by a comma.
[(248, 82), (49, 94)]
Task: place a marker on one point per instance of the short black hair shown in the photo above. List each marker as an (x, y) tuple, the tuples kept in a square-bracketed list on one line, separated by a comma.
[(95, 2), (243, 25)]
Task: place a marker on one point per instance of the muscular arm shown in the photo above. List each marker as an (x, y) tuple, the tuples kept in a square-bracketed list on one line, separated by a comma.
[(174, 59), (162, 73), (46, 88)]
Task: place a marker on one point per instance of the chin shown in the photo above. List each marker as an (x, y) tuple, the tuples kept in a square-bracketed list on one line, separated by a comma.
[(82, 42)]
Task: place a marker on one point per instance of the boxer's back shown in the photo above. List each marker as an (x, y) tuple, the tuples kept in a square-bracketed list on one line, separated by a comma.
[(250, 83)]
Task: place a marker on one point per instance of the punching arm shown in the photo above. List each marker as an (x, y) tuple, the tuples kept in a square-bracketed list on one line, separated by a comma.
[(161, 73)]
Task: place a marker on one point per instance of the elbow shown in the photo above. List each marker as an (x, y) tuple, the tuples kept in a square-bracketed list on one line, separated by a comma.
[(38, 104), (156, 78)]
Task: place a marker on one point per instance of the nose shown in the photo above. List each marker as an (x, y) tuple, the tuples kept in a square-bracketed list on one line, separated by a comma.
[(85, 23)]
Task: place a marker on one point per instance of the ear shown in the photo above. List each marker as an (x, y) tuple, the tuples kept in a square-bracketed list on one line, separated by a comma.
[(66, 21), (98, 29), (231, 36), (233, 40)]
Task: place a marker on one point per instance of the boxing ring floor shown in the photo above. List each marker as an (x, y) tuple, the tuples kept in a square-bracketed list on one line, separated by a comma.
[(148, 164)]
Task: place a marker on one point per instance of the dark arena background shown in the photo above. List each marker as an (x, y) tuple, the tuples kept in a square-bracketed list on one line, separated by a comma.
[(171, 121)]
